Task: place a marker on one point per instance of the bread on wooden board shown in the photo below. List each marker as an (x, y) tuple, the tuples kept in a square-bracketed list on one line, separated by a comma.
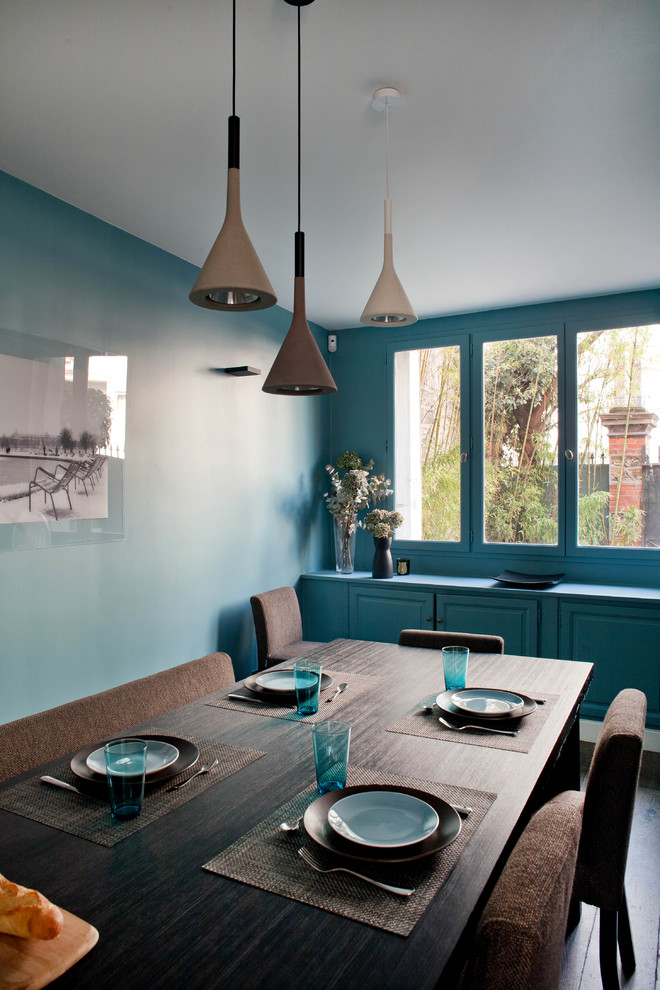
[(27, 913)]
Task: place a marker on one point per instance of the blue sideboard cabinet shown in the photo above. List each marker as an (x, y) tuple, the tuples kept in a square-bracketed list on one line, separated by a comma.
[(615, 628), (515, 619)]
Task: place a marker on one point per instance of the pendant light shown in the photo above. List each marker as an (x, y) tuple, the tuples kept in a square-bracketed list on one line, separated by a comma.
[(388, 303), (299, 368), (232, 277)]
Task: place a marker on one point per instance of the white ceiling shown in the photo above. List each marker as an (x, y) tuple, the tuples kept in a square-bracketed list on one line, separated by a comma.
[(524, 160)]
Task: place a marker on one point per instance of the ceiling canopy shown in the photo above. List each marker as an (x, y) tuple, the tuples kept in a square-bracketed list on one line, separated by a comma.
[(523, 161)]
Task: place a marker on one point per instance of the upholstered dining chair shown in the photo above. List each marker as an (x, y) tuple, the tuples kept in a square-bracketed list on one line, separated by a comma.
[(432, 639), (519, 940), (278, 626), (28, 742), (609, 800)]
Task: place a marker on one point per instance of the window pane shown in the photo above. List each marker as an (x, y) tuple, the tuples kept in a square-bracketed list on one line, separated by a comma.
[(520, 441), (618, 411), (427, 443)]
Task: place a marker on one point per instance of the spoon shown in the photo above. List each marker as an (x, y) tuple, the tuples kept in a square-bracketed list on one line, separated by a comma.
[(202, 769), (291, 825), (342, 687)]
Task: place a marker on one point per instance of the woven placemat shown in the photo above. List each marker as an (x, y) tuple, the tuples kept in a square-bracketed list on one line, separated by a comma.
[(419, 723), (357, 684), (89, 817), (268, 858)]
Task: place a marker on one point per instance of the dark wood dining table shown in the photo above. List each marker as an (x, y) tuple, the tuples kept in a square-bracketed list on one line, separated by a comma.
[(165, 922)]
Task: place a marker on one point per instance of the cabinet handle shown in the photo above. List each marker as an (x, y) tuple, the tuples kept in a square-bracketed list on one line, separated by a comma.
[(428, 618), (438, 621)]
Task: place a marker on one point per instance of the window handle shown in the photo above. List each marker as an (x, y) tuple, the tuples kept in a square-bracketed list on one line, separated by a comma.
[(569, 455), (464, 458)]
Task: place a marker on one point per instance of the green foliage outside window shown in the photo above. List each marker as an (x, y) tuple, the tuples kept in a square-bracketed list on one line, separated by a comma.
[(441, 496), (618, 382), (520, 446)]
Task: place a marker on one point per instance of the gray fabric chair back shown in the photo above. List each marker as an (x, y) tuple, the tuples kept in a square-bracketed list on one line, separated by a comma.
[(609, 802), (520, 936), (28, 742), (430, 639), (278, 626), (277, 619)]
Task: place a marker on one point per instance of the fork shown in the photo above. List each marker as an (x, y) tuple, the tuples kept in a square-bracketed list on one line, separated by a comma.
[(309, 859), (484, 728), (202, 769)]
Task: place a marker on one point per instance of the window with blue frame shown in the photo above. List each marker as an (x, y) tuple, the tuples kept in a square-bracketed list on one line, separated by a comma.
[(546, 439)]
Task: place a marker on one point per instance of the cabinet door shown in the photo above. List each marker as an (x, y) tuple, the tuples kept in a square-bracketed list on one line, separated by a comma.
[(381, 615), (514, 619), (623, 643)]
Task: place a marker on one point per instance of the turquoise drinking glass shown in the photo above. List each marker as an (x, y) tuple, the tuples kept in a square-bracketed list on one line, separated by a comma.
[(455, 664), (125, 766), (331, 745), (307, 684)]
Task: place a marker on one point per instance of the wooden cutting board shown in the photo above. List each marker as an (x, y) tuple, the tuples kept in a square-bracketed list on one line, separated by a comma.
[(26, 964)]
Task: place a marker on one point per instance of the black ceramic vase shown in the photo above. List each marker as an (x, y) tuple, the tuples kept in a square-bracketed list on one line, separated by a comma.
[(382, 562)]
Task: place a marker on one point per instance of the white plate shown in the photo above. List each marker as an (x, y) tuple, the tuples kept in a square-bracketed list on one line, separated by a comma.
[(159, 756), (383, 819), (486, 702), (277, 680)]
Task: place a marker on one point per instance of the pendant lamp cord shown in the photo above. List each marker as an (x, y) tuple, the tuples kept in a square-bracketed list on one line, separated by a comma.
[(299, 115), (387, 147), (233, 60)]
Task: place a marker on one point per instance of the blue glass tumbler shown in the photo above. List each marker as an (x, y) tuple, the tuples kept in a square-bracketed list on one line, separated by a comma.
[(331, 746), (125, 767), (307, 684), (455, 664)]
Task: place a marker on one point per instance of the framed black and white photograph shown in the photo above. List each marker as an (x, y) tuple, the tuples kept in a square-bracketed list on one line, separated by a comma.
[(62, 435)]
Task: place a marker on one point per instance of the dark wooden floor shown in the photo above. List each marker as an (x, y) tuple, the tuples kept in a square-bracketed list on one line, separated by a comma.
[(581, 969)]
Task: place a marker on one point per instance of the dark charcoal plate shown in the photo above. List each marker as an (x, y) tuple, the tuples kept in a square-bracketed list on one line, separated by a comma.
[(316, 825), (188, 755), (251, 684), (444, 703), (518, 580)]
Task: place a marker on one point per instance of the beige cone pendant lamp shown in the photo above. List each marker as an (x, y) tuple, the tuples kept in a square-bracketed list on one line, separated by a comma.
[(299, 368), (232, 277), (388, 303)]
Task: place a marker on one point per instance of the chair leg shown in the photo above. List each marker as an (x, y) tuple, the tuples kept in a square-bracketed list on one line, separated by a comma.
[(52, 503), (624, 936), (609, 970)]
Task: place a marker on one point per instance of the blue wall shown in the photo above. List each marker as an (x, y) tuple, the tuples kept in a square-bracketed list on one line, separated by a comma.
[(222, 482), (362, 420)]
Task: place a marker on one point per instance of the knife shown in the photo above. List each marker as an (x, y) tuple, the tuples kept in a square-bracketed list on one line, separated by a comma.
[(241, 697), (61, 783)]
